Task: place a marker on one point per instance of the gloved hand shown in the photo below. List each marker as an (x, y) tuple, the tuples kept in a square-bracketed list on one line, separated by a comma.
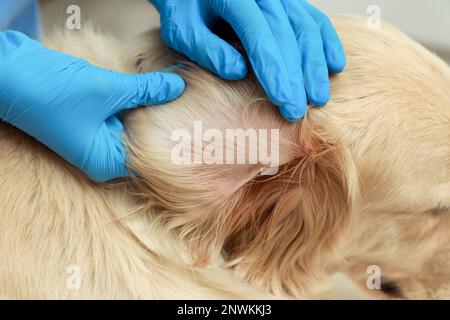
[(291, 45), (71, 106)]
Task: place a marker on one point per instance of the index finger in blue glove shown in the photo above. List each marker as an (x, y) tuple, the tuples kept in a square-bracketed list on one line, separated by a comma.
[(134, 90), (282, 31), (250, 25), (334, 51), (315, 70)]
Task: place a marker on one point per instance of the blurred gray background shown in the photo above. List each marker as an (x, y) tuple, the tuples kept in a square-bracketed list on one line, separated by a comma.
[(426, 21)]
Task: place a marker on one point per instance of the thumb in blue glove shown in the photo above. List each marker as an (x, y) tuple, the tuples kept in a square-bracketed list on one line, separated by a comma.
[(72, 106)]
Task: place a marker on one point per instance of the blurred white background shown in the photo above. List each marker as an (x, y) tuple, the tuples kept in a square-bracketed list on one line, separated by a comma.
[(426, 21)]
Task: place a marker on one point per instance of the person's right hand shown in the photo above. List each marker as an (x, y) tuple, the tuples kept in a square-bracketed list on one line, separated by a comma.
[(72, 106), (291, 45)]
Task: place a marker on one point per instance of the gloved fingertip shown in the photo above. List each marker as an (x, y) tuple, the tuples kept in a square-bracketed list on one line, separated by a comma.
[(108, 161), (337, 65), (159, 88), (175, 85), (293, 112), (236, 69), (318, 86), (336, 59), (102, 176), (320, 95)]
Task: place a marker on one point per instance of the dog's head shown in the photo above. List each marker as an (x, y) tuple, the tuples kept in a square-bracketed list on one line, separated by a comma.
[(394, 109), (364, 181)]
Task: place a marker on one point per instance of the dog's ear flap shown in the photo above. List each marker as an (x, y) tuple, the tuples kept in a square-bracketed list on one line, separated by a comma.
[(201, 206), (278, 230), (231, 178), (272, 229)]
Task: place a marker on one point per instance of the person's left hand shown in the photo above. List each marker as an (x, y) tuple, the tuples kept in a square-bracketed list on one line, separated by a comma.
[(72, 106)]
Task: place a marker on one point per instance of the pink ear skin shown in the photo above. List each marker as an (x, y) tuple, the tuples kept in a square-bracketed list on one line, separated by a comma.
[(276, 230), (234, 177)]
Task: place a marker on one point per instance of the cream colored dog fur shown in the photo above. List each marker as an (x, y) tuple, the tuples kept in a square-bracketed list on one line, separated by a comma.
[(364, 181)]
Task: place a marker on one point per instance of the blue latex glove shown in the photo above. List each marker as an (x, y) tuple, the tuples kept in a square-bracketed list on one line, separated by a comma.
[(291, 45), (71, 106), (20, 15)]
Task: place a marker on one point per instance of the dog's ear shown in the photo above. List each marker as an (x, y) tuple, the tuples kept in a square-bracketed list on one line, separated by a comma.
[(280, 229), (275, 230), (198, 201)]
